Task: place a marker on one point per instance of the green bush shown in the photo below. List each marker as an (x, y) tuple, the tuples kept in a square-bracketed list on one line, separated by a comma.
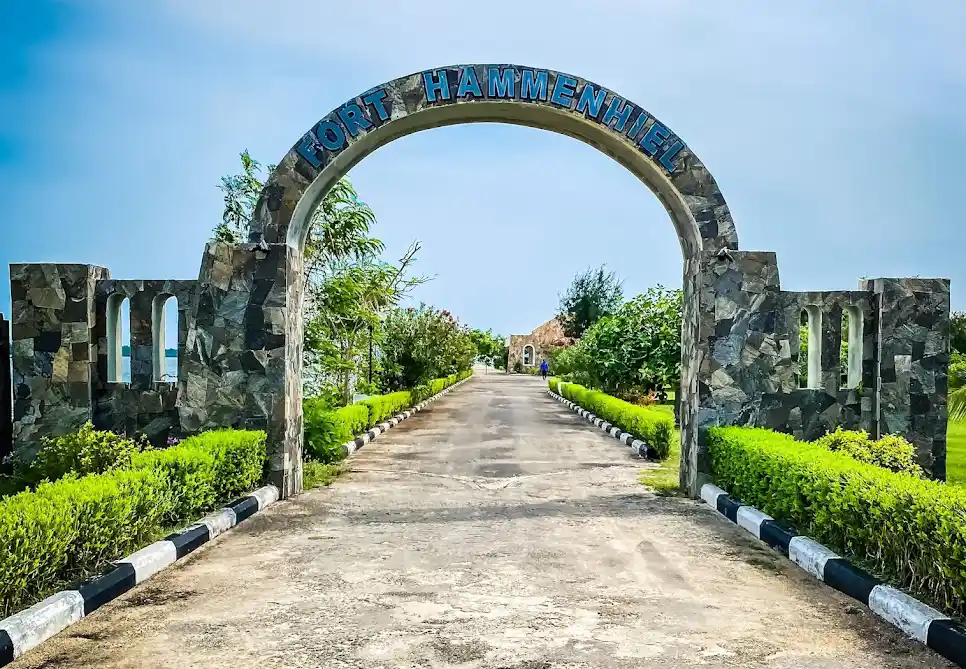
[(87, 451), (383, 407), (326, 430), (67, 529), (910, 530), (651, 425), (891, 452)]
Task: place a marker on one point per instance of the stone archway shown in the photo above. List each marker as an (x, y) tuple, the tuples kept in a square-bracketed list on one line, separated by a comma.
[(244, 343)]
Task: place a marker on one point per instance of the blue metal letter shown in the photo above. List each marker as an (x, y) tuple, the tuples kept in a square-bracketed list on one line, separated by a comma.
[(638, 124), (354, 119), (377, 100), (469, 83), (434, 88), (336, 141), (591, 101), (502, 84), (307, 148), (667, 158), (563, 90), (619, 109), (655, 137), (533, 85)]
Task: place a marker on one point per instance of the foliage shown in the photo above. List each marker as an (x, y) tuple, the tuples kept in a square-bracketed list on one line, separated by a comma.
[(318, 474), (87, 451), (957, 331), (347, 285), (911, 530), (592, 295), (653, 426), (327, 430), (491, 349), (66, 530), (636, 349), (382, 407), (343, 320), (957, 387), (420, 344), (891, 452), (518, 367)]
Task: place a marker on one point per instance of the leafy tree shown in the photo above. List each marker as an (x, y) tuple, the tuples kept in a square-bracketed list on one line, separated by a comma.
[(342, 321), (957, 331), (592, 295), (421, 344), (490, 348), (638, 348), (347, 285)]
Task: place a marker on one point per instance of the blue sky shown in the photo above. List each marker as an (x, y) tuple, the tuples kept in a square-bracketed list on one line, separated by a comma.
[(836, 131)]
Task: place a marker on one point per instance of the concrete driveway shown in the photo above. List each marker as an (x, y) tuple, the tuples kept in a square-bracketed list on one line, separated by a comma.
[(494, 530)]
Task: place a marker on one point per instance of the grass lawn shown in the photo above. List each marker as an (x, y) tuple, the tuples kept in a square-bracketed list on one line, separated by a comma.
[(665, 478), (315, 474), (956, 453)]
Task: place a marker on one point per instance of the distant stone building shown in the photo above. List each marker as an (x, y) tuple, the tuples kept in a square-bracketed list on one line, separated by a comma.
[(530, 349)]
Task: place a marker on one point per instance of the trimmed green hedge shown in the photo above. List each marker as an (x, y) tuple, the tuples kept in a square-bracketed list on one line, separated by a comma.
[(65, 530), (890, 452), (653, 426), (910, 530), (383, 407), (327, 430)]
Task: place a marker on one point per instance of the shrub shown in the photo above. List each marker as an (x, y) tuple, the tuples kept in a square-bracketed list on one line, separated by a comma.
[(651, 425), (67, 529), (382, 407), (890, 452), (326, 430), (87, 451), (913, 531)]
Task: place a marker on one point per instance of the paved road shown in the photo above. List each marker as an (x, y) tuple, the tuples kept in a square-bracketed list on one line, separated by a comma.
[(494, 530)]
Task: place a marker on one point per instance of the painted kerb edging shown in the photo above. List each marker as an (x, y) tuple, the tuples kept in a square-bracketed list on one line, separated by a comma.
[(639, 446), (918, 620), (29, 628)]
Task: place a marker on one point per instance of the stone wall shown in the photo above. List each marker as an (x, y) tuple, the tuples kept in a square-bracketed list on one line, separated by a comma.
[(52, 318), (145, 405), (543, 338)]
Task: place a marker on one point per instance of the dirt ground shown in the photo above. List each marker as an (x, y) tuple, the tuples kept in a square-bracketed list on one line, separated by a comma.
[(496, 529)]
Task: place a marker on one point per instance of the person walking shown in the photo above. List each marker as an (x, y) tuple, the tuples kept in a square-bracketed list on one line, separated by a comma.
[(544, 369)]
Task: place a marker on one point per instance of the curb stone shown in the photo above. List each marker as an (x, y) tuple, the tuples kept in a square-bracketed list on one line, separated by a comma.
[(918, 620), (29, 628), (639, 447)]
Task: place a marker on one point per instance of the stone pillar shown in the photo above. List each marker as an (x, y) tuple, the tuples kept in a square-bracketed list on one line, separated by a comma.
[(244, 350), (912, 363), (736, 352), (52, 321), (142, 348)]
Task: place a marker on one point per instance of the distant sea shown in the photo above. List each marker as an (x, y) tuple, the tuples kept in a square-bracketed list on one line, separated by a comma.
[(170, 369)]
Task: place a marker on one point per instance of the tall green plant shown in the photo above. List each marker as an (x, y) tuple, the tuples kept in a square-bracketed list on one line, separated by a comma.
[(419, 344), (591, 296)]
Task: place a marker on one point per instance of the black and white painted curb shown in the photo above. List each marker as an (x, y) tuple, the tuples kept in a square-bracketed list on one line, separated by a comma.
[(639, 446), (363, 439), (31, 627), (916, 619)]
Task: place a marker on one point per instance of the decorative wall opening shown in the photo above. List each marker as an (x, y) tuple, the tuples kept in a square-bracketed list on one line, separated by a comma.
[(528, 356), (164, 311), (118, 310), (853, 336), (812, 320)]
